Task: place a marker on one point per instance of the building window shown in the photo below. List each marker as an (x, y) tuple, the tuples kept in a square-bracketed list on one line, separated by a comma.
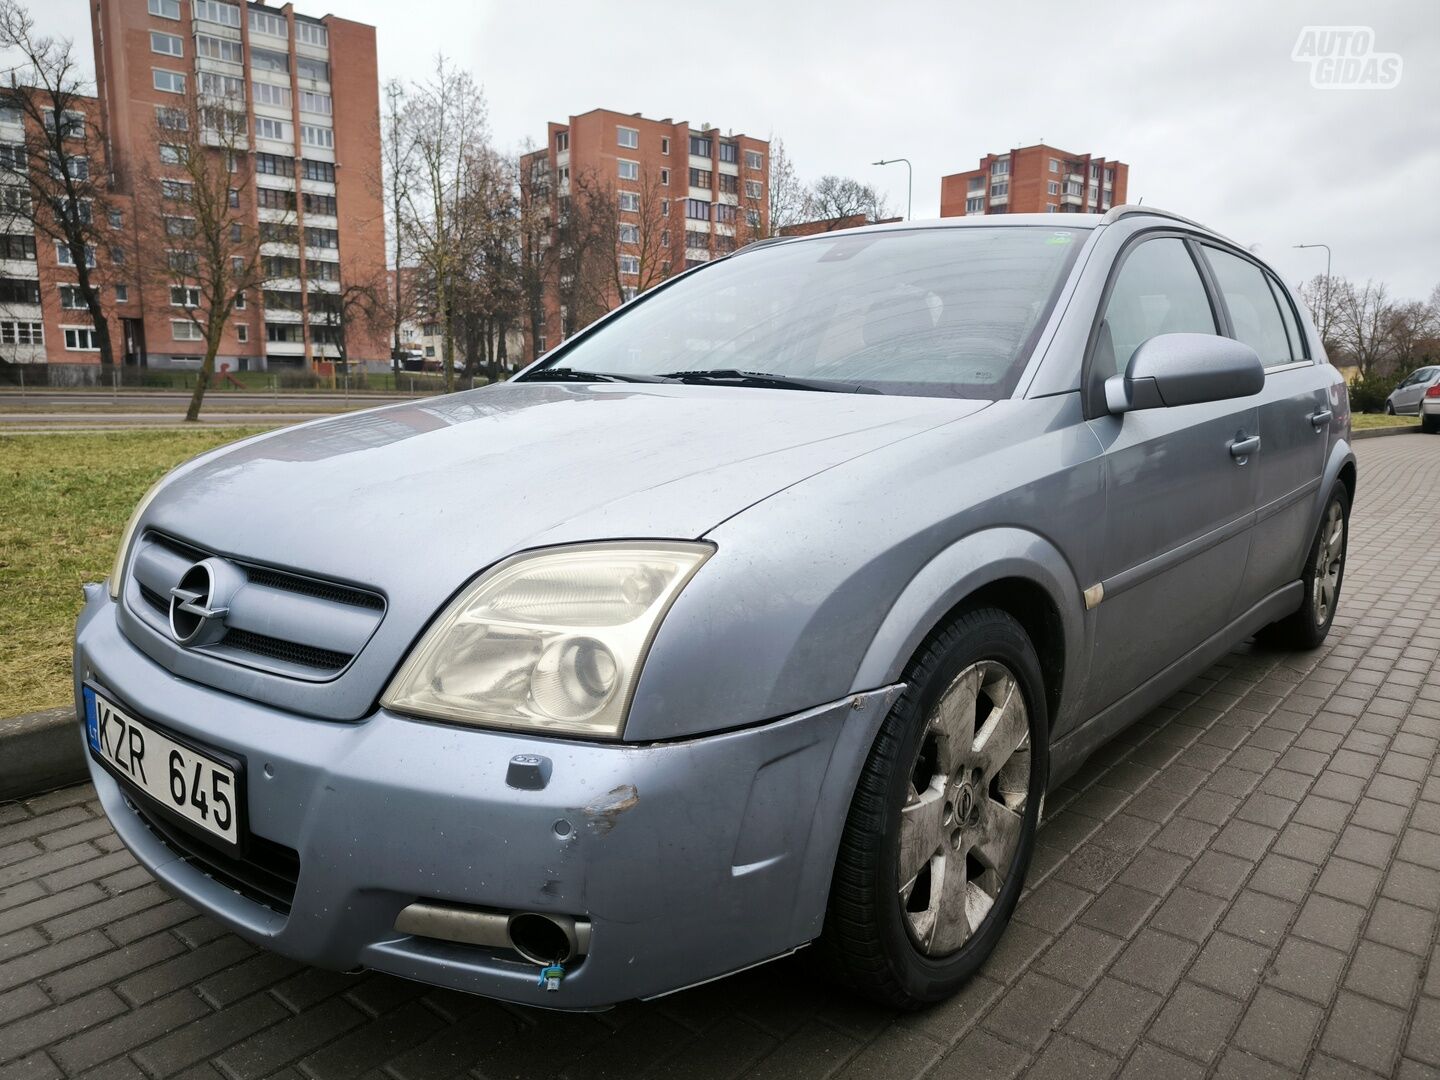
[(117, 256), (699, 146), (81, 339), (700, 178), (629, 234), (752, 218), (1094, 172), (630, 265), (268, 128), (318, 204), (185, 330), (730, 152), (664, 207), (724, 212), (322, 238), (236, 233), (166, 44), (309, 68), (122, 294), (628, 137), (318, 170), (1050, 208), (977, 183), (270, 94), (242, 333), (754, 161), (263, 23), (309, 33), (19, 291), (664, 238), (269, 60), (729, 184), (214, 48), (179, 226), (562, 141), (628, 293), (274, 165), (240, 301), (1055, 165), (217, 12), (975, 206), (697, 209), (72, 298), (21, 332), (630, 200), (1052, 188), (12, 156), (172, 155), (314, 135), (1109, 176), (629, 170), (754, 189), (17, 246), (62, 255), (665, 177), (184, 296), (1000, 168), (1072, 187), (665, 144), (171, 119), (999, 188), (165, 9), (316, 103), (171, 82), (176, 190)]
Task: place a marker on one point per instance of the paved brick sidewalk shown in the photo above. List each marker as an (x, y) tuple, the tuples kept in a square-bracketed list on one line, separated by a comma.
[(1246, 883)]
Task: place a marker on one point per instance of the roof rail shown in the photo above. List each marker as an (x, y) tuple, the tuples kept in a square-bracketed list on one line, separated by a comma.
[(1115, 213)]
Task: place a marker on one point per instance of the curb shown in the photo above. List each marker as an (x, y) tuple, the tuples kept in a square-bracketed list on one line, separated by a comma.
[(1383, 432), (40, 751)]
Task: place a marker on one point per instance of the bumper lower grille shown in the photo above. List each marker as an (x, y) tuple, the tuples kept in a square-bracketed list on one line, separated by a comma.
[(266, 874)]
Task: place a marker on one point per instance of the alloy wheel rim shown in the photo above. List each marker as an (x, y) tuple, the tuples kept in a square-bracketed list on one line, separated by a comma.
[(1330, 557), (965, 807)]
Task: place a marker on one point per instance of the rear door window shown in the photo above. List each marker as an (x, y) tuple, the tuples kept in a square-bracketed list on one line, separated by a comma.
[(1253, 311)]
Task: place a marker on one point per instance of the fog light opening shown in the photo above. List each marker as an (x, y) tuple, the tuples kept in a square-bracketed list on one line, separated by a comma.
[(540, 939)]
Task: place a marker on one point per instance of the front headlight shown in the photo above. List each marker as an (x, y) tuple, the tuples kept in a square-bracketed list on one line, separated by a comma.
[(117, 572), (551, 640)]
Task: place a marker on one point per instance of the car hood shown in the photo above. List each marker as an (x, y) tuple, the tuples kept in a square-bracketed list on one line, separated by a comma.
[(415, 498)]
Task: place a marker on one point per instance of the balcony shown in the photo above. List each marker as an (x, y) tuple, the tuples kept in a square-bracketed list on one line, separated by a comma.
[(1000, 200), (1070, 200)]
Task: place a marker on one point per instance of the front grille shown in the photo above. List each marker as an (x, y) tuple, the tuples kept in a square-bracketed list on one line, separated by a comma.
[(288, 651), (280, 622), (266, 874)]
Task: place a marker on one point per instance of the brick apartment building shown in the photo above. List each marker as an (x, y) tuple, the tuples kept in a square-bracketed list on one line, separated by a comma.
[(684, 195), (310, 93), (1035, 179)]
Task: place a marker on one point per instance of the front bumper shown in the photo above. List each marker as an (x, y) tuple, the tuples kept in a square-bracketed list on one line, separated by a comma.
[(690, 859)]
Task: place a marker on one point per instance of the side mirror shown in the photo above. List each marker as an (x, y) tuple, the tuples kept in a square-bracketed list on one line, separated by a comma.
[(1183, 369)]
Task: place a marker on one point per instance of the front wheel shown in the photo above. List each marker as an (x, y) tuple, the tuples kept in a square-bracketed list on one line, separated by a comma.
[(943, 820), (1323, 576)]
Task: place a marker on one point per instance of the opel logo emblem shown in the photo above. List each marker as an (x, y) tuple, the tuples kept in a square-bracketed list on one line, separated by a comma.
[(199, 604)]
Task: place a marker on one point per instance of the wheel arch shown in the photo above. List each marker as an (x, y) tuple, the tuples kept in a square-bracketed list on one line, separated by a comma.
[(1018, 571)]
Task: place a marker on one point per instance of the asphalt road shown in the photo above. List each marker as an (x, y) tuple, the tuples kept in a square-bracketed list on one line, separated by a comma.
[(1243, 884)]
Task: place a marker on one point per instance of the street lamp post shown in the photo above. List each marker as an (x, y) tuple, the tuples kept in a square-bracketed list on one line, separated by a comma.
[(1326, 329), (909, 183)]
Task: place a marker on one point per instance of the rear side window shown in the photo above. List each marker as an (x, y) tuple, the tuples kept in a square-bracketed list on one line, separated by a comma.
[(1253, 311), (1287, 315), (1159, 291)]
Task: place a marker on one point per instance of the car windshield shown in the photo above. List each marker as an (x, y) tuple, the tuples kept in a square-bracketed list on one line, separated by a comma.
[(946, 312)]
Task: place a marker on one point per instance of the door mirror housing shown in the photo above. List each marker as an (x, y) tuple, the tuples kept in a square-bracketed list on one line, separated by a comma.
[(1184, 369)]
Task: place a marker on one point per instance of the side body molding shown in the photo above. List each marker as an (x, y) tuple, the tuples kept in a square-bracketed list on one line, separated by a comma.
[(967, 565)]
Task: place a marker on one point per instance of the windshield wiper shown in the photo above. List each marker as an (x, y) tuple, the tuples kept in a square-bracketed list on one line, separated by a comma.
[(735, 377), (565, 374)]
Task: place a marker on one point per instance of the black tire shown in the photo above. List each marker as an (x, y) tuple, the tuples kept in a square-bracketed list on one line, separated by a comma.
[(1429, 423), (867, 939), (1309, 626), (1389, 409)]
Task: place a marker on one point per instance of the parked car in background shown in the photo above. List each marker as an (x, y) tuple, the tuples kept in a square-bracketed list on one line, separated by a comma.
[(1418, 394), (762, 612)]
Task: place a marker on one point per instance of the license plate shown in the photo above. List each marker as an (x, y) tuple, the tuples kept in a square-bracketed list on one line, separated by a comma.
[(184, 781)]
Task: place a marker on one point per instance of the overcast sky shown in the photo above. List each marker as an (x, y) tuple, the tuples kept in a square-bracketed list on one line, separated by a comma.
[(1202, 99)]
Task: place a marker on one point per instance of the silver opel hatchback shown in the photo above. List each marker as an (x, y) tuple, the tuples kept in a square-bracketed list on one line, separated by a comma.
[(762, 612)]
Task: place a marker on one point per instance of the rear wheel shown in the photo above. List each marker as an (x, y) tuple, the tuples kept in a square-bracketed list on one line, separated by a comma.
[(943, 820), (1324, 574), (1389, 409)]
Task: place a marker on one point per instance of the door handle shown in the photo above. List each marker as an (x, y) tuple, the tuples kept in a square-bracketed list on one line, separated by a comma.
[(1242, 448), (1319, 419)]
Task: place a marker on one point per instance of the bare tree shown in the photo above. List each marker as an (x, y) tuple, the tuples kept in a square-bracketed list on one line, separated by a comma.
[(398, 178), (1363, 316), (535, 258), (784, 194), (354, 305), (1321, 296), (834, 198), (633, 239), (447, 118), (1412, 332), (57, 181), (195, 223), (583, 247)]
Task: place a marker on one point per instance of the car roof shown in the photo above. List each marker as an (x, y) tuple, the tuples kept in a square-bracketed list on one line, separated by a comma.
[(1066, 221)]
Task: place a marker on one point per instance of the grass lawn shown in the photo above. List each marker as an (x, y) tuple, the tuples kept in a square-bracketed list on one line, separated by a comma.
[(1361, 421), (63, 500)]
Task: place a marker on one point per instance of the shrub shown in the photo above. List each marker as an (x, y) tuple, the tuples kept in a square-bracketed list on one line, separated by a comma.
[(1368, 392)]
